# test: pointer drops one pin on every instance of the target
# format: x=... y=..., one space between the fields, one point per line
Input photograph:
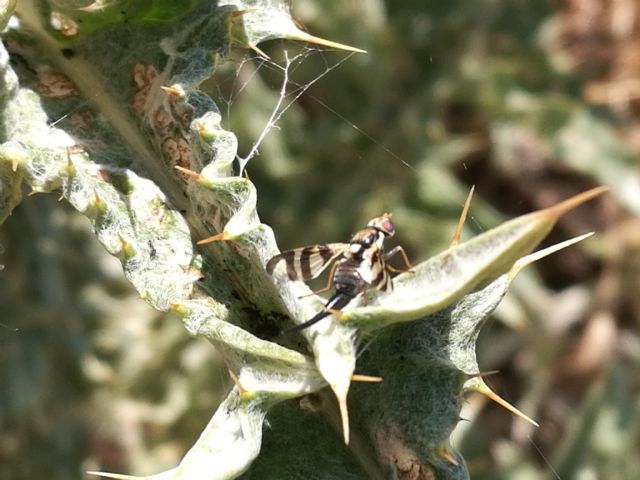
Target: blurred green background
x=530 y=101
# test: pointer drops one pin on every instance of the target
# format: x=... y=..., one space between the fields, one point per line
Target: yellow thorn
x=179 y=309
x=97 y=204
x=173 y=90
x=535 y=256
x=561 y=208
x=446 y=454
x=190 y=173
x=127 y=250
x=236 y=381
x=305 y=37
x=488 y=373
x=240 y=13
x=365 y=378
x=200 y=127
x=69 y=167
x=215 y=238
x=482 y=388
x=258 y=51
x=344 y=414
x=336 y=313
x=455 y=239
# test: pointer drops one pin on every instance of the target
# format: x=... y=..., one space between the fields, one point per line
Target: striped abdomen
x=347 y=279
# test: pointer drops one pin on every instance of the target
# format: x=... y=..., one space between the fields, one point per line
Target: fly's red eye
x=382 y=224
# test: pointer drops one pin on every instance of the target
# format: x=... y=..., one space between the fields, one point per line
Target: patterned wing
x=307 y=262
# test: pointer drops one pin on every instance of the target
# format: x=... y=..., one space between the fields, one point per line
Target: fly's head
x=375 y=233
x=383 y=224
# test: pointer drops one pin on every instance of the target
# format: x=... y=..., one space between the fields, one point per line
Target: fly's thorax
x=371 y=265
x=363 y=260
x=365 y=238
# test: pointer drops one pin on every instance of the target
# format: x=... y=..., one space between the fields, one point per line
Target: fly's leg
x=405 y=259
x=328 y=284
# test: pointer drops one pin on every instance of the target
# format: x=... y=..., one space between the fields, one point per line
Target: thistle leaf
x=105 y=110
x=462 y=268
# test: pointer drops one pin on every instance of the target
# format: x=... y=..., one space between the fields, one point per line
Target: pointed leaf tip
x=174 y=91
x=126 y=249
x=487 y=373
x=218 y=237
x=455 y=239
x=189 y=173
x=569 y=204
x=258 y=51
x=344 y=415
x=478 y=385
x=236 y=381
x=305 y=37
x=341 y=392
x=365 y=378
x=444 y=453
x=535 y=256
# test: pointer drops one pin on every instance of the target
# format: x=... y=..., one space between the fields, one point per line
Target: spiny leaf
x=250 y=24
x=427 y=366
x=462 y=268
x=222 y=291
x=433 y=285
x=138 y=219
x=228 y=444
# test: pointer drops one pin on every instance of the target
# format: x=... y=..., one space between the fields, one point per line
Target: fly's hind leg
x=327 y=286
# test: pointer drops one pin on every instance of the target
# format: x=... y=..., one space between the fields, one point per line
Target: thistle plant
x=143 y=155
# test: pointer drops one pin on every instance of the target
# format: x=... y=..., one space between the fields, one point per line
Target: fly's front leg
x=405 y=259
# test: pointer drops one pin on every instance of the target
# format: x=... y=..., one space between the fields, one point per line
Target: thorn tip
x=214 y=238
x=481 y=387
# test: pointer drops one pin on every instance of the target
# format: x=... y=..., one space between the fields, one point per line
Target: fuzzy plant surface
x=139 y=150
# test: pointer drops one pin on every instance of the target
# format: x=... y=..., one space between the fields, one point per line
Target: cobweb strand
x=280 y=108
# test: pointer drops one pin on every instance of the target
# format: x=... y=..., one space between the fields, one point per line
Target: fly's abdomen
x=347 y=280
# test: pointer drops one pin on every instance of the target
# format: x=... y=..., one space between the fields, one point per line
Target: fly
x=357 y=265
